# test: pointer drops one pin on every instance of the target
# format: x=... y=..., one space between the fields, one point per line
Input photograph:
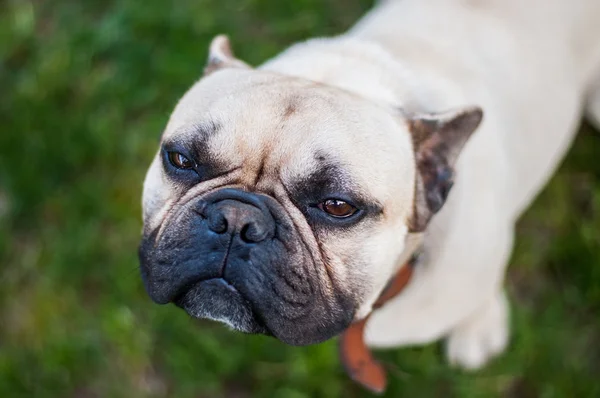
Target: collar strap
x=354 y=353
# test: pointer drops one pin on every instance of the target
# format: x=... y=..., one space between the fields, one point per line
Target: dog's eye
x=337 y=208
x=179 y=161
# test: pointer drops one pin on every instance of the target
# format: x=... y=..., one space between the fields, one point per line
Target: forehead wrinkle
x=318 y=138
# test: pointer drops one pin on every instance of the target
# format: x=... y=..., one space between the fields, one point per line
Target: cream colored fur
x=529 y=64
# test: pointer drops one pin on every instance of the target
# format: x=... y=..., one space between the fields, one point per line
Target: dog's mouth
x=235 y=263
x=217 y=299
x=180 y=297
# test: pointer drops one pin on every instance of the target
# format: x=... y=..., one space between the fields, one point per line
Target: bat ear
x=438 y=139
x=220 y=56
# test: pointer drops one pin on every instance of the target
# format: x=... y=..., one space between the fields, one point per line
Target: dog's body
x=530 y=65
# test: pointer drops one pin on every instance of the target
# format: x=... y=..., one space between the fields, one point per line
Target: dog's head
x=281 y=206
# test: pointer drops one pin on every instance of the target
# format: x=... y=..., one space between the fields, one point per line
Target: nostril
x=245 y=234
x=252 y=233
x=217 y=223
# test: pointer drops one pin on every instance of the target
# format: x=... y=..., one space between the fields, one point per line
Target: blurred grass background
x=85 y=90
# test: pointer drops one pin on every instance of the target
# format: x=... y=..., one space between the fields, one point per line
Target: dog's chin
x=217 y=300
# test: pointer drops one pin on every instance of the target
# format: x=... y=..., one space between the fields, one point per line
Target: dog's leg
x=484 y=333
x=482 y=336
x=455 y=294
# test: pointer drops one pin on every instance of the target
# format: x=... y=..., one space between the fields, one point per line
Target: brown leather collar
x=354 y=354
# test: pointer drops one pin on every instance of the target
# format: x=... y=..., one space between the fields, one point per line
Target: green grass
x=86 y=88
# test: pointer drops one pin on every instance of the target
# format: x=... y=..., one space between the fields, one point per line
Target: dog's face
x=282 y=206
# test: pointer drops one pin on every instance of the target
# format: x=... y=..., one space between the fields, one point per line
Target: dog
x=284 y=198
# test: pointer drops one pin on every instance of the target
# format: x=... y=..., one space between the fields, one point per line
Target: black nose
x=239 y=214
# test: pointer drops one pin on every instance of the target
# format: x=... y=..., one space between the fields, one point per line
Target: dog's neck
x=365 y=68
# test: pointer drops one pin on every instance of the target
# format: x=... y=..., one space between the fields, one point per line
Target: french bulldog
x=283 y=198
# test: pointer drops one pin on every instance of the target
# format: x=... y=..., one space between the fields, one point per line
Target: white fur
x=529 y=65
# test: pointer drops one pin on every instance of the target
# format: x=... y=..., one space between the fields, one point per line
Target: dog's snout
x=241 y=217
x=217 y=222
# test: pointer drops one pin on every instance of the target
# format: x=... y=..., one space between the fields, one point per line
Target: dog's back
x=529 y=63
x=543 y=28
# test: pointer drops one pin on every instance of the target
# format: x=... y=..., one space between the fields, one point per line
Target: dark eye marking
x=180 y=165
x=329 y=197
x=186 y=155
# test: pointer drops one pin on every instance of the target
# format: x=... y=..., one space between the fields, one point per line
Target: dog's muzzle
x=236 y=257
